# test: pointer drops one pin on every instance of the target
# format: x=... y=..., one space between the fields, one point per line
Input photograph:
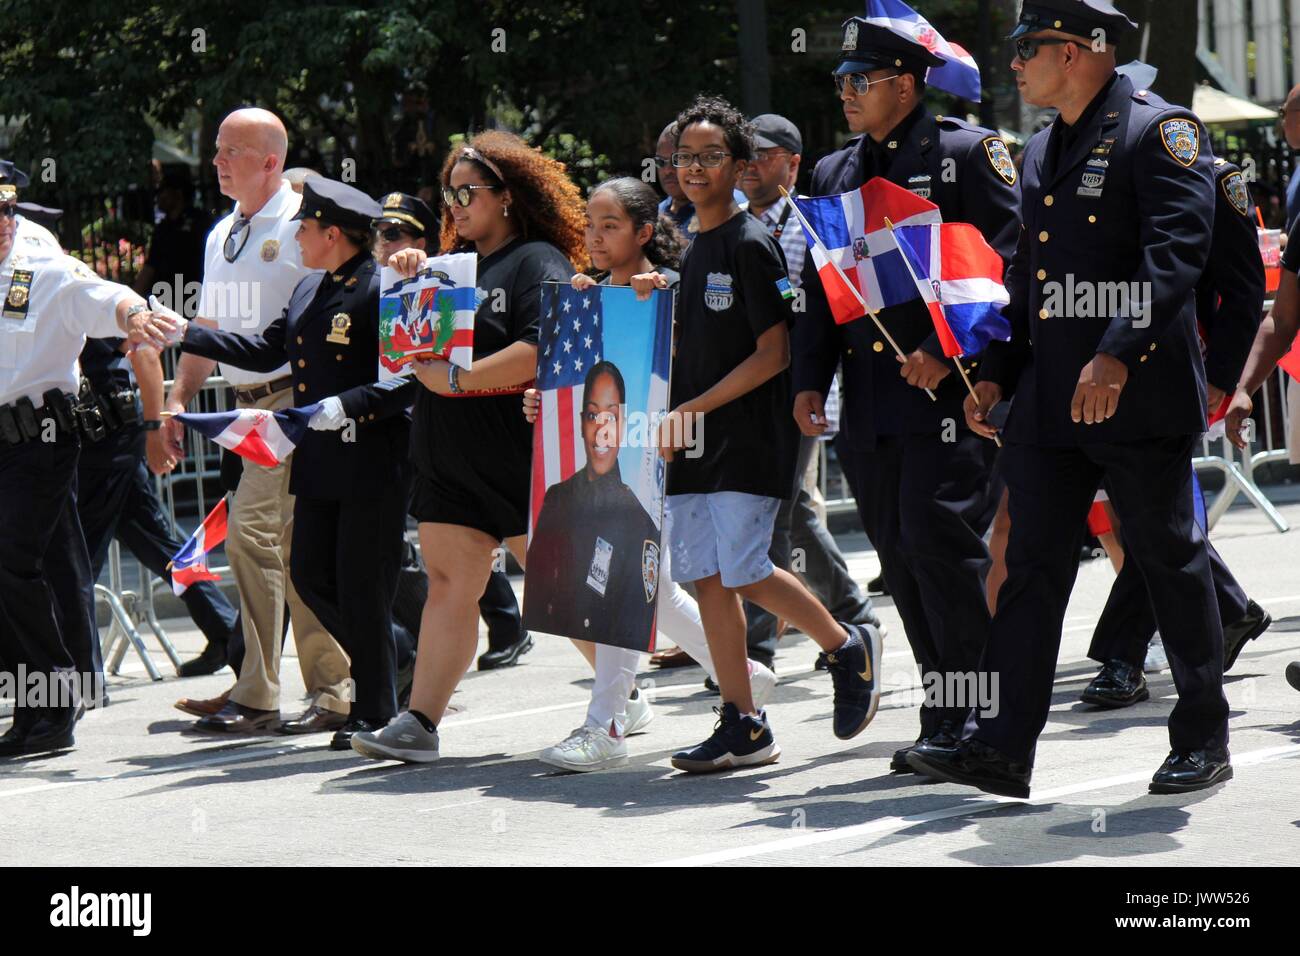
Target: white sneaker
x=1156 y=660
x=585 y=750
x=404 y=738
x=762 y=681
x=639 y=714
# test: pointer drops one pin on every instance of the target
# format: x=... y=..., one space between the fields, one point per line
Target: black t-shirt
x=178 y=247
x=734 y=287
x=1291 y=255
x=456 y=438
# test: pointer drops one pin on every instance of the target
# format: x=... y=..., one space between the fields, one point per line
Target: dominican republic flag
x=960 y=74
x=855 y=256
x=430 y=314
x=571 y=339
x=263 y=437
x=959 y=277
x=190 y=563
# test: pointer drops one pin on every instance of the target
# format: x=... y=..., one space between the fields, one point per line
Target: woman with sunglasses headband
x=471 y=448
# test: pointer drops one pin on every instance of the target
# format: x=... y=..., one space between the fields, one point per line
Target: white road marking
x=890 y=824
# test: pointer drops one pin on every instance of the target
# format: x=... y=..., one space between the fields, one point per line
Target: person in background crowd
x=176 y=248
x=778 y=148
x=471 y=448
x=1289 y=115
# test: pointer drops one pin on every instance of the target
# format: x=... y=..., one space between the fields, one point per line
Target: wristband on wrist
x=151 y=424
x=453 y=379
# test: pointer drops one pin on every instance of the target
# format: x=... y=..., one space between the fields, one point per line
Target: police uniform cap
x=1076 y=17
x=11 y=175
x=42 y=215
x=1141 y=75
x=332 y=203
x=410 y=212
x=868 y=46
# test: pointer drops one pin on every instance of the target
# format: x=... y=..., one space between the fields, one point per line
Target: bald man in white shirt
x=251 y=266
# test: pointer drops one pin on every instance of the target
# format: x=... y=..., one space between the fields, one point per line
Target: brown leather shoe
x=237 y=719
x=674 y=657
x=202 y=708
x=314 y=720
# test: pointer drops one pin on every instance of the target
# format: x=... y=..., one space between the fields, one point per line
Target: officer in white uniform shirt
x=251 y=267
x=49 y=303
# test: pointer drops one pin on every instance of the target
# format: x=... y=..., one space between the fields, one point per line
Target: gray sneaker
x=404 y=738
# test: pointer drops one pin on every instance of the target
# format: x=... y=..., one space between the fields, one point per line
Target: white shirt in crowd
x=247 y=295
x=51 y=303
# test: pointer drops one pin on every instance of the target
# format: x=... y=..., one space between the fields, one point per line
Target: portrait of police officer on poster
x=594 y=551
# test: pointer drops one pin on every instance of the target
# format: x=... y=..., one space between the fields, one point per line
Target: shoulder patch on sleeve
x=1182 y=140
x=1235 y=191
x=1000 y=159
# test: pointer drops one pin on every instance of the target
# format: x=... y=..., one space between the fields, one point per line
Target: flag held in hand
x=190 y=563
x=263 y=437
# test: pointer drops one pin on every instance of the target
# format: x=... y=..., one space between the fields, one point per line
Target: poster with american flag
x=603 y=361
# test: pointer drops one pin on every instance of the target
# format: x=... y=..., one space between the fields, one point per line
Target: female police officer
x=350 y=475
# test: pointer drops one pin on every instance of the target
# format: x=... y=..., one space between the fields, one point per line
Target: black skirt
x=473 y=460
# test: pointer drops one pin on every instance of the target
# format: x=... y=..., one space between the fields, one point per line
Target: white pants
x=678 y=622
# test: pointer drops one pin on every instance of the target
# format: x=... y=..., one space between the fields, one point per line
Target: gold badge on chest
x=270 y=249
x=339 y=327
x=15 y=303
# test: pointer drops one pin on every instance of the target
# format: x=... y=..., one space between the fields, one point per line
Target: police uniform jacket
x=593 y=563
x=967 y=172
x=1230 y=295
x=330 y=335
x=1131 y=202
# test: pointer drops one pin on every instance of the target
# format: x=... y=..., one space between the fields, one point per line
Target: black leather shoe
x=877 y=585
x=1117 y=684
x=314 y=720
x=210 y=661
x=945 y=738
x=1236 y=635
x=1191 y=770
x=237 y=719
x=39 y=731
x=973 y=764
x=491 y=659
x=342 y=739
x=1293 y=674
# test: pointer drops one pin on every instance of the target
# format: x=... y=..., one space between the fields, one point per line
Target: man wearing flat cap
x=351 y=472
x=921 y=479
x=1119 y=191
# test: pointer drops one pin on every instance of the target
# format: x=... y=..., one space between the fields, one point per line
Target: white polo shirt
x=49 y=304
x=247 y=295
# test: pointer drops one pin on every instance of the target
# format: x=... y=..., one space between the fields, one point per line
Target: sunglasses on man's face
x=1027 y=48
x=8 y=210
x=462 y=195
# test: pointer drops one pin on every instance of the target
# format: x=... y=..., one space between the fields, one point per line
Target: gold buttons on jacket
x=848 y=351
x=1152 y=348
x=302 y=363
x=300 y=340
x=877 y=346
x=1092 y=218
x=338 y=358
x=302 y=387
x=1044 y=314
x=1142 y=359
x=1042 y=274
x=1048 y=200
x=1042 y=236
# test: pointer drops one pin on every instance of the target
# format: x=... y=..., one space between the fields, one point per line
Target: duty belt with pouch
x=21 y=421
x=102 y=414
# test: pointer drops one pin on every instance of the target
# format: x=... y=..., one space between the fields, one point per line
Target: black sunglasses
x=9 y=210
x=1027 y=48
x=236 y=239
x=461 y=195
x=393 y=233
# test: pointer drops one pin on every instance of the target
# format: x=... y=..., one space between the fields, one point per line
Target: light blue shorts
x=726 y=532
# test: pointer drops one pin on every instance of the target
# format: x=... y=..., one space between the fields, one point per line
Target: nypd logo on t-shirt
x=717 y=291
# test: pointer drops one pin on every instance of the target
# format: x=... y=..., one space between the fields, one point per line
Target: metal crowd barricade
x=129 y=609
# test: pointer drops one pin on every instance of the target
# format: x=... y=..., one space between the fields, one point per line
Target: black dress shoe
x=1293 y=674
x=342 y=739
x=1183 y=772
x=973 y=764
x=314 y=720
x=492 y=659
x=1235 y=636
x=235 y=718
x=1117 y=684
x=40 y=731
x=210 y=661
x=945 y=738
x=877 y=585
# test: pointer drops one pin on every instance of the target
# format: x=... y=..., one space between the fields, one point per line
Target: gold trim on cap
x=403 y=217
x=8 y=191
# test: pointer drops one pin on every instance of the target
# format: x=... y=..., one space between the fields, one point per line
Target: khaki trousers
x=258 y=537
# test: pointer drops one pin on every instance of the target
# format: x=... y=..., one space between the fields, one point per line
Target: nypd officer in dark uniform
x=1229 y=307
x=350 y=474
x=593 y=558
x=920 y=477
x=1118 y=190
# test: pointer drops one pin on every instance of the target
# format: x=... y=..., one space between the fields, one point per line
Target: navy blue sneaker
x=736 y=742
x=855 y=672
